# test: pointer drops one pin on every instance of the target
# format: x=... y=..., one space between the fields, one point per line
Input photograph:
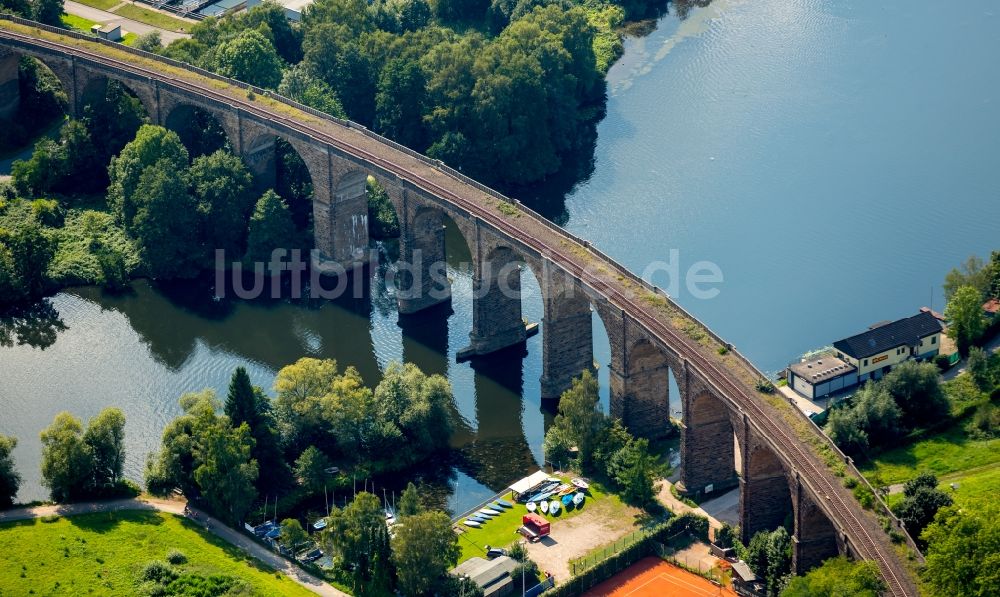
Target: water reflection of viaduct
x=780 y=475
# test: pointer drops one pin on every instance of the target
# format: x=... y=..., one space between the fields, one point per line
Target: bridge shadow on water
x=199 y=338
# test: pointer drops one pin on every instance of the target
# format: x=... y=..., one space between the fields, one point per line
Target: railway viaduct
x=781 y=473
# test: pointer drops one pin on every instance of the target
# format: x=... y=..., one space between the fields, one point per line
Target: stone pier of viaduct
x=781 y=479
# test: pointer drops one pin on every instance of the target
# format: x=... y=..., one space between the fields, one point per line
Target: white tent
x=527 y=483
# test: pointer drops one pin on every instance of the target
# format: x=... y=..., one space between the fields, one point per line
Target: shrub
x=943 y=362
x=47 y=212
x=158 y=572
x=176 y=557
x=764 y=386
x=864 y=496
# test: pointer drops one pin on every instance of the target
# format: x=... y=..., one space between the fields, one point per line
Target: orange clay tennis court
x=652 y=577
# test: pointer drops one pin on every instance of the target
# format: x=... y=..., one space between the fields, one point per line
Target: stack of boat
x=484 y=514
x=562 y=495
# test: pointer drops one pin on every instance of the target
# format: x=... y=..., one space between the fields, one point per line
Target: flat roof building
x=821 y=376
x=876 y=351
x=868 y=355
x=493 y=576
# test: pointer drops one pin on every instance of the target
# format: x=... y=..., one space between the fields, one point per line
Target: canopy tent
x=527 y=483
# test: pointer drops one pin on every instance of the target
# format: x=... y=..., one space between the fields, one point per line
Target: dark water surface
x=834 y=159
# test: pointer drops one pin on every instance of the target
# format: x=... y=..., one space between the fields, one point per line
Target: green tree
x=11 y=289
x=174 y=465
x=310 y=468
x=151 y=145
x=399 y=102
x=270 y=19
x=84 y=168
x=921 y=501
x=878 y=415
x=30 y=253
x=409 y=501
x=48 y=11
x=246 y=403
x=355 y=534
x=423 y=550
x=299 y=84
x=166 y=221
x=846 y=430
x=249 y=57
x=974 y=272
x=292 y=534
x=459 y=10
x=67 y=460
x=838 y=577
x=418 y=405
x=21 y=8
x=241 y=401
x=113 y=119
x=10 y=480
x=382 y=219
x=580 y=419
x=979 y=369
x=964 y=313
x=635 y=470
x=300 y=388
x=149 y=42
x=726 y=536
x=226 y=472
x=962 y=555
x=333 y=52
x=994 y=276
x=270 y=228
x=105 y=436
x=42 y=171
x=769 y=556
x=916 y=388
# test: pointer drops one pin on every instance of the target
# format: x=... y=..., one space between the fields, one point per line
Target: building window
x=933 y=339
x=866 y=363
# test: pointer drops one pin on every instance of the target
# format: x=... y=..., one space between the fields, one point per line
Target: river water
x=832 y=159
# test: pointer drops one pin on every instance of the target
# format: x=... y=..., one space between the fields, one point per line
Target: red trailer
x=534 y=527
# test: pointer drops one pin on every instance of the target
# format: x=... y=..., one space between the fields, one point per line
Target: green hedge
x=688 y=522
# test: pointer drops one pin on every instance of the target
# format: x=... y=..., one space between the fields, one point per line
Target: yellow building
x=875 y=352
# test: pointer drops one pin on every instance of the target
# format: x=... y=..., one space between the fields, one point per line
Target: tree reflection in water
x=36 y=325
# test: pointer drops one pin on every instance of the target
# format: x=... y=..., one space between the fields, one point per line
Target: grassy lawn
x=78 y=23
x=945 y=453
x=501 y=530
x=151 y=17
x=977 y=485
x=101 y=4
x=103 y=554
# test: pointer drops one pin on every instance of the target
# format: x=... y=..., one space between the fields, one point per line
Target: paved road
x=177 y=507
x=101 y=16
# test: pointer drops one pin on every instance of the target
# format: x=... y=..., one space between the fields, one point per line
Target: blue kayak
x=567 y=499
x=505 y=503
x=478 y=518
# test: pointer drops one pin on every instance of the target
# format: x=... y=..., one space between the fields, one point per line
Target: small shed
x=745 y=582
x=109 y=31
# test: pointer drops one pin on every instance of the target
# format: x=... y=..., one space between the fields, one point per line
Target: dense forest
x=503 y=91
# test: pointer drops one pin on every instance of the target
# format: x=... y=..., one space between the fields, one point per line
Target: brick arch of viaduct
x=640 y=364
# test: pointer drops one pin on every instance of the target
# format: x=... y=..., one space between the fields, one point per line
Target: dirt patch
x=600 y=523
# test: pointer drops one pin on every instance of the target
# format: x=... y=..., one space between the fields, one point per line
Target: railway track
x=815 y=475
